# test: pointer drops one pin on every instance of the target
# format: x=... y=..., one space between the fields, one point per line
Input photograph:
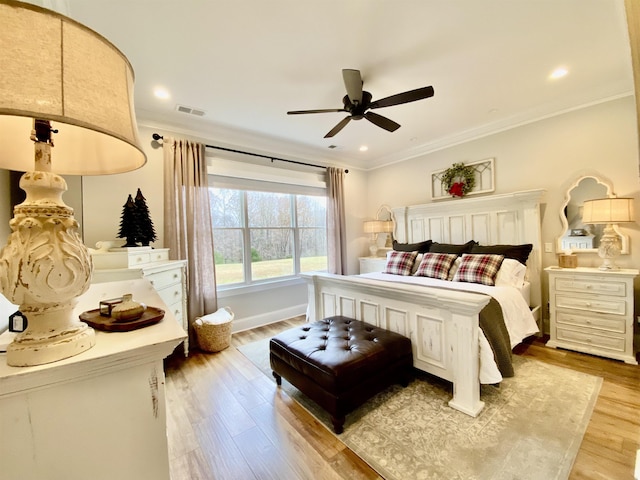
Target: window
x=265 y=231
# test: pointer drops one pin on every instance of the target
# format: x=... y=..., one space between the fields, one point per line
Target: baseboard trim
x=267 y=318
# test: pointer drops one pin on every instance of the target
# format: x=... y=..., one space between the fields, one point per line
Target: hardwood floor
x=227 y=420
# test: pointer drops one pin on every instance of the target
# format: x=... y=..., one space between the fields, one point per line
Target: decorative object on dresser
x=463 y=179
x=591 y=311
x=135 y=223
x=168 y=277
x=608 y=211
x=58 y=71
x=568 y=260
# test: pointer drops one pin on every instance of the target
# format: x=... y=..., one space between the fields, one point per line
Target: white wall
x=105 y=195
x=549 y=154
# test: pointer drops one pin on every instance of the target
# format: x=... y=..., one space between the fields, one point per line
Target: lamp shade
x=56 y=69
x=387 y=226
x=374 y=226
x=608 y=210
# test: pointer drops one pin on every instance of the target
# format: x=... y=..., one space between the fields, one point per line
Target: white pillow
x=511 y=274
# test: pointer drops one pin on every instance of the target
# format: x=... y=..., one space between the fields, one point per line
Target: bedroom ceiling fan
x=358 y=102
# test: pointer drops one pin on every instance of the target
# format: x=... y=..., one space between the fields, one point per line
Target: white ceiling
x=246 y=63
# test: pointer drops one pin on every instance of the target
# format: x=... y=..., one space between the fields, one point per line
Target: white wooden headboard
x=511 y=218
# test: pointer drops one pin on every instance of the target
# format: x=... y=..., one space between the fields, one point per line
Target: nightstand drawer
x=160 y=280
x=596 y=322
x=590 y=304
x=591 y=340
x=577 y=285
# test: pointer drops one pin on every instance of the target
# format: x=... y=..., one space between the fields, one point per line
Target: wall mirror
x=384 y=214
x=576 y=236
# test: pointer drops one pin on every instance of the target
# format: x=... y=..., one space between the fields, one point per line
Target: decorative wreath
x=459 y=179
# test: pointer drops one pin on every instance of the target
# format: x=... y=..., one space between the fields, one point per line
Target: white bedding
x=518 y=318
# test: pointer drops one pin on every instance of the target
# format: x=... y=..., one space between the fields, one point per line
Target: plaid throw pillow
x=478 y=268
x=436 y=265
x=400 y=263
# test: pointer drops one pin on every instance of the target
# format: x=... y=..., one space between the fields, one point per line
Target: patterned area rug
x=531 y=427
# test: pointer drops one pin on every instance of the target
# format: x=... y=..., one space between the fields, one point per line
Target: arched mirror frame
x=385 y=213
x=624 y=239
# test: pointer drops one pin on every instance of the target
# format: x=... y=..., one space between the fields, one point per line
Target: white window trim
x=220 y=167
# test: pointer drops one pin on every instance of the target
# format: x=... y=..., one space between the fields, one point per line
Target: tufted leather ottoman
x=340 y=362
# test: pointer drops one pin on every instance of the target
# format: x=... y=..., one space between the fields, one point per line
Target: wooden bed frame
x=442 y=324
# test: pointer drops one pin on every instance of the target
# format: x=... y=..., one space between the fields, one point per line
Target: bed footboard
x=442 y=325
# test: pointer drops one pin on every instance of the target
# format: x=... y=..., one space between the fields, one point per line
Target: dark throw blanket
x=492 y=324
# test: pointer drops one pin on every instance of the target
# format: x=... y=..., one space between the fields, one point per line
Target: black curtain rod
x=157 y=137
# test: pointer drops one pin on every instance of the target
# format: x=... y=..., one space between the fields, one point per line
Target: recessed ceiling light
x=364 y=148
x=161 y=93
x=559 y=73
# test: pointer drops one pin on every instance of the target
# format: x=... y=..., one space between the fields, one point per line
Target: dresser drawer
x=163 y=279
x=590 y=339
x=176 y=310
x=579 y=285
x=596 y=322
x=159 y=255
x=592 y=304
x=171 y=294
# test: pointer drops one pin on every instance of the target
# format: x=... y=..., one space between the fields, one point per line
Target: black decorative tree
x=129 y=228
x=146 y=233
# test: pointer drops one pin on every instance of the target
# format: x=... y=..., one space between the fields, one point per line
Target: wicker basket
x=213 y=331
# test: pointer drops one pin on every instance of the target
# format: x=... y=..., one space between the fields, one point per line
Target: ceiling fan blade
x=382 y=122
x=338 y=127
x=353 y=84
x=405 y=97
x=300 y=112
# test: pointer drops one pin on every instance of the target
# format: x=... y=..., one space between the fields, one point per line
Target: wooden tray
x=109 y=324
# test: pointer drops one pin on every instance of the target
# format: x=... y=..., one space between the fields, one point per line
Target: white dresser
x=99 y=415
x=168 y=277
x=591 y=311
x=372 y=264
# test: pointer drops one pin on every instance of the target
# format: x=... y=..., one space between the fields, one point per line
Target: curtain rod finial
x=156 y=137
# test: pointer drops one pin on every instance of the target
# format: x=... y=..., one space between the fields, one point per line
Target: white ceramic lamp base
x=44 y=268
x=609 y=249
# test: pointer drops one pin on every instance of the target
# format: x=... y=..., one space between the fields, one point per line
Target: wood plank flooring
x=227 y=420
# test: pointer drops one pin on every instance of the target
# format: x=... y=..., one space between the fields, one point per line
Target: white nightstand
x=591 y=311
x=372 y=264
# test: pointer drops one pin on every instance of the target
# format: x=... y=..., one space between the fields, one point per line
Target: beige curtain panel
x=336 y=230
x=187 y=222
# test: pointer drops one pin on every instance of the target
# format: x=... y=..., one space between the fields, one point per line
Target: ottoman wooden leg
x=338 y=423
x=277 y=377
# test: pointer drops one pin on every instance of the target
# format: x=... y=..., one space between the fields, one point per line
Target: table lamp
x=64 y=85
x=374 y=227
x=608 y=211
x=388 y=229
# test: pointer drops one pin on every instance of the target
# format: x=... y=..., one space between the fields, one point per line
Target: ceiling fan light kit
x=357 y=102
